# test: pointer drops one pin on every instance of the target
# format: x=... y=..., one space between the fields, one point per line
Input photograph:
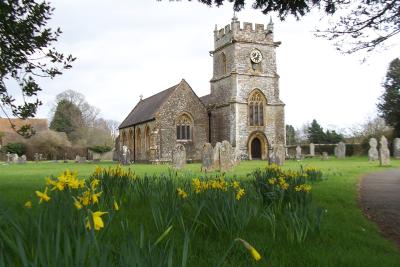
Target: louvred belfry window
x=184 y=128
x=256 y=109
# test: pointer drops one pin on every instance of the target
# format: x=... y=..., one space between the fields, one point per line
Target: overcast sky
x=129 y=48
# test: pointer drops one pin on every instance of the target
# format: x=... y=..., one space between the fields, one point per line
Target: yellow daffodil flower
x=235 y=184
x=97 y=220
x=77 y=204
x=43 y=196
x=182 y=193
x=95 y=197
x=28 y=204
x=253 y=252
x=116 y=207
x=240 y=193
x=94 y=183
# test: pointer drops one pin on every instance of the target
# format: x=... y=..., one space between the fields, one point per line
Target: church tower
x=244 y=103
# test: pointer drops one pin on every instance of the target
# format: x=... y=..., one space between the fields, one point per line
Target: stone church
x=243 y=107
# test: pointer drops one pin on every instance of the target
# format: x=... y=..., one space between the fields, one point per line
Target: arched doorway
x=256 y=148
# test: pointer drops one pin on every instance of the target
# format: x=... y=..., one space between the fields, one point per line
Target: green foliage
x=26 y=52
x=100 y=149
x=290 y=135
x=389 y=105
x=15 y=148
x=317 y=135
x=67 y=119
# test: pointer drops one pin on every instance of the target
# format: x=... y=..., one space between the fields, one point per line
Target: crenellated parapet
x=243 y=32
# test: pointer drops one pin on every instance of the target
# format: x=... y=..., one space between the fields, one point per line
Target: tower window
x=256 y=109
x=184 y=128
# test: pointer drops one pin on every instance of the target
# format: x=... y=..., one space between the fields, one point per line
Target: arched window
x=123 y=138
x=138 y=142
x=147 y=138
x=130 y=139
x=256 y=109
x=184 y=128
x=223 y=64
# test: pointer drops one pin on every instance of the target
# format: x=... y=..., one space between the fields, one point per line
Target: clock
x=256 y=56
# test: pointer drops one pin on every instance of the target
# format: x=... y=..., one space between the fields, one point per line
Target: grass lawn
x=347 y=238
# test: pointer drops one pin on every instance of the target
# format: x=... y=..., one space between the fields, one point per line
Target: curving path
x=380 y=199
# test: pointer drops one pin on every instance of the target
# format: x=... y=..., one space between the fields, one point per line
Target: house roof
x=38 y=124
x=147 y=108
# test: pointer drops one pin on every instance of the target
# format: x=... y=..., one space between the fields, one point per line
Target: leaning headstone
x=215 y=158
x=226 y=156
x=341 y=150
x=396 y=148
x=312 y=149
x=36 y=157
x=207 y=157
x=298 y=152
x=179 y=156
x=325 y=156
x=278 y=155
x=373 y=151
x=384 y=153
x=22 y=159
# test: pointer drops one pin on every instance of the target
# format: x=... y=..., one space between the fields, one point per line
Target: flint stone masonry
x=179 y=157
x=312 y=149
x=207 y=157
x=373 y=153
x=384 y=153
x=341 y=150
x=396 y=148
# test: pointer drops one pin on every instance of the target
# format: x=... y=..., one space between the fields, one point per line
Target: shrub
x=100 y=149
x=15 y=148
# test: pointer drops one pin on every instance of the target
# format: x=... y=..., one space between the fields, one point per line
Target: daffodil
x=253 y=252
x=43 y=196
x=116 y=207
x=240 y=193
x=94 y=183
x=182 y=193
x=77 y=204
x=235 y=184
x=95 y=197
x=28 y=204
x=97 y=220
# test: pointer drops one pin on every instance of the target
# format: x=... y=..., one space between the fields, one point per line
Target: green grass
x=347 y=237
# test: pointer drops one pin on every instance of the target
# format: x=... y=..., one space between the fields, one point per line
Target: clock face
x=256 y=56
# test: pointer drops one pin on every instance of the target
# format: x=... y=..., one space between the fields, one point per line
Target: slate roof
x=146 y=109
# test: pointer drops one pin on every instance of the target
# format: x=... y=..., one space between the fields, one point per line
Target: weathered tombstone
x=373 y=151
x=36 y=157
x=77 y=159
x=226 y=156
x=335 y=151
x=9 y=157
x=312 y=149
x=179 y=156
x=207 y=157
x=384 y=153
x=325 y=156
x=22 y=159
x=124 y=158
x=215 y=158
x=396 y=148
x=298 y=152
x=15 y=158
x=341 y=150
x=40 y=157
x=65 y=158
x=278 y=154
x=82 y=159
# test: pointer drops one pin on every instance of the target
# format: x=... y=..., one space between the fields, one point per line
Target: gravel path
x=380 y=199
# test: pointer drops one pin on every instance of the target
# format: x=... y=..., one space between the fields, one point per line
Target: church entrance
x=256 y=148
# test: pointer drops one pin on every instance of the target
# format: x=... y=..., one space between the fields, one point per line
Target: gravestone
x=384 y=153
x=215 y=158
x=77 y=159
x=341 y=150
x=36 y=157
x=312 y=149
x=179 y=156
x=373 y=153
x=396 y=148
x=40 y=157
x=278 y=155
x=9 y=157
x=325 y=156
x=298 y=152
x=335 y=151
x=124 y=158
x=22 y=159
x=15 y=158
x=207 y=157
x=226 y=156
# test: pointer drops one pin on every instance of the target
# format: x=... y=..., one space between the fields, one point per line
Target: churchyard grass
x=345 y=238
